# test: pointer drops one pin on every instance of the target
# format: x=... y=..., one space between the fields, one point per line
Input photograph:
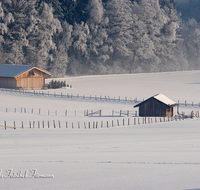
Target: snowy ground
x=146 y=156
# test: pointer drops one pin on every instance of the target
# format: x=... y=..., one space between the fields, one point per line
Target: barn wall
x=7 y=82
x=169 y=112
x=153 y=108
x=29 y=81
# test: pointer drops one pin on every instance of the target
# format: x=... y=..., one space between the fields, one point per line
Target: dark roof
x=13 y=70
x=161 y=98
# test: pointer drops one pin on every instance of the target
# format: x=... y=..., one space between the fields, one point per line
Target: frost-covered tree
x=59 y=65
x=97 y=23
x=41 y=29
x=191 y=43
x=157 y=36
x=119 y=30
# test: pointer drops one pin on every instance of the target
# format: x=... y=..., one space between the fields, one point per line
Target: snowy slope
x=146 y=156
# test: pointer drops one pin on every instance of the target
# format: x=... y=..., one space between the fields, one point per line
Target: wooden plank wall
x=7 y=82
x=28 y=81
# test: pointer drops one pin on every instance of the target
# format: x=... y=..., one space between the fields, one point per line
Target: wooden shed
x=156 y=106
x=22 y=76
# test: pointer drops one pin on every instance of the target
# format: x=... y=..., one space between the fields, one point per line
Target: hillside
x=153 y=156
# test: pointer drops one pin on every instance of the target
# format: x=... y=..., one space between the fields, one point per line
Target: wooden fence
x=117 y=99
x=100 y=124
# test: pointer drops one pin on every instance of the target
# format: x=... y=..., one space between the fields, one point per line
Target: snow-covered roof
x=164 y=99
x=13 y=70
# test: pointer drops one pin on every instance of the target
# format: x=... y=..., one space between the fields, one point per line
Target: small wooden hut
x=22 y=76
x=156 y=106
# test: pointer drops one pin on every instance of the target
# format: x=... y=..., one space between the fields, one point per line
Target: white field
x=152 y=156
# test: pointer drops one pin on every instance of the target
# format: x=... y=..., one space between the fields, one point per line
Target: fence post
x=5 y=124
x=123 y=122
x=100 y=112
x=107 y=124
x=43 y=123
x=72 y=125
x=128 y=121
x=33 y=124
x=112 y=123
x=134 y=121
x=54 y=124
x=78 y=125
x=138 y=121
x=84 y=125
x=101 y=124
x=65 y=112
x=38 y=124
x=66 y=124
x=22 y=125
x=192 y=114
x=48 y=124
x=59 y=124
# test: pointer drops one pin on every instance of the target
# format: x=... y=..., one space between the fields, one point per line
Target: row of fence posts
x=106 y=98
x=136 y=120
x=86 y=112
x=24 y=110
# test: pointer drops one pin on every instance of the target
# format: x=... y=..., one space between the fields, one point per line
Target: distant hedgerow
x=56 y=84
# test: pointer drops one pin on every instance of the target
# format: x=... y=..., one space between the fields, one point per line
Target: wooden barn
x=22 y=77
x=156 y=106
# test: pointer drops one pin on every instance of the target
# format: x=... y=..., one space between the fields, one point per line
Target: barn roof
x=162 y=98
x=15 y=70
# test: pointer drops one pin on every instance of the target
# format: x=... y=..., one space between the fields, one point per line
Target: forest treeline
x=81 y=37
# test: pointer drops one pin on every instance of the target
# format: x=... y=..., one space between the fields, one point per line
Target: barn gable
x=158 y=105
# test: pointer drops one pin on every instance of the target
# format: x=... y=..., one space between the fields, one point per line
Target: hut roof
x=15 y=70
x=162 y=98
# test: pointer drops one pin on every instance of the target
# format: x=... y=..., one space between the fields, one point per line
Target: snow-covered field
x=152 y=156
